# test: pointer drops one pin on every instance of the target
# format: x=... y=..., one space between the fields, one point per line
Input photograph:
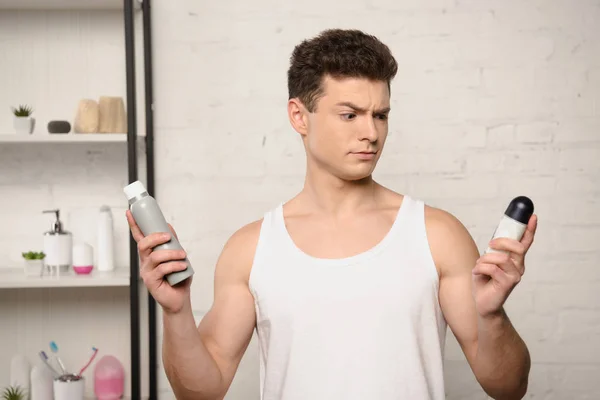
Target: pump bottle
x=150 y=219
x=514 y=221
x=58 y=246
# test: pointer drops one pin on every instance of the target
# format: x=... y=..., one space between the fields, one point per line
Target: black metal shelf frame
x=132 y=170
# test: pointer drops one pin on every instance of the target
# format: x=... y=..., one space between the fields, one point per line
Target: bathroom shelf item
x=15 y=278
x=65 y=4
x=128 y=278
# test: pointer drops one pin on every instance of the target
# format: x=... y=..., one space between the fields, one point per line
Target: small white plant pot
x=24 y=125
x=34 y=267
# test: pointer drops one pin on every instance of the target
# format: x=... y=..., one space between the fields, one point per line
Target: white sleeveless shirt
x=365 y=327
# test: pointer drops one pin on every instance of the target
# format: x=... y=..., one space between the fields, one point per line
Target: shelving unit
x=126 y=276
x=65 y=4
x=15 y=278
x=65 y=138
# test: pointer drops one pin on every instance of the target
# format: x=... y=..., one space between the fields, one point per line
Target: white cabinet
x=54 y=53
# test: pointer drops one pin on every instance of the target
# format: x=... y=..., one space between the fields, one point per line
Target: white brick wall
x=493 y=100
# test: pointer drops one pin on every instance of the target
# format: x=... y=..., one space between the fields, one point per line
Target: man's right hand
x=154 y=265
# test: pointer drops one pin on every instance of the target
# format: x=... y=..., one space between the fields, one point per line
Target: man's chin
x=357 y=174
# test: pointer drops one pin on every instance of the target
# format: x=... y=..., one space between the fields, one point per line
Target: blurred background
x=493 y=99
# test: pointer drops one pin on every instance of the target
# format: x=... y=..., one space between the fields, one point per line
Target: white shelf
x=65 y=138
x=13 y=278
x=64 y=4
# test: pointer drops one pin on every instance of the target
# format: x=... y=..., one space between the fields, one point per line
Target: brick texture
x=492 y=100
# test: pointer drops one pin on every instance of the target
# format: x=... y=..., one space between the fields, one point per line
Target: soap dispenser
x=58 y=246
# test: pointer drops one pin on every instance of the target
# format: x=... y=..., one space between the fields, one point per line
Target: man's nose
x=369 y=130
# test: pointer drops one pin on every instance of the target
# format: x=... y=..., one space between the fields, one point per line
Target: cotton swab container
x=83 y=258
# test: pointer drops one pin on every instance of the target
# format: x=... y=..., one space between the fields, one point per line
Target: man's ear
x=298 y=115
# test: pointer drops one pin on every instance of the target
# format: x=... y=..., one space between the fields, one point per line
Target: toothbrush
x=95 y=350
x=54 y=349
x=44 y=358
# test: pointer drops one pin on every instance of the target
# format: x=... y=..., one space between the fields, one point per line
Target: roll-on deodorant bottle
x=150 y=219
x=514 y=221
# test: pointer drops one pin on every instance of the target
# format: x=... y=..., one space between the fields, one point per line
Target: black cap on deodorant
x=520 y=209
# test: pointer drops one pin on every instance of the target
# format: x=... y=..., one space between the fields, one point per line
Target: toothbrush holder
x=69 y=387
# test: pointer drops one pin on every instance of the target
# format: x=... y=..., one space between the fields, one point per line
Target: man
x=349 y=285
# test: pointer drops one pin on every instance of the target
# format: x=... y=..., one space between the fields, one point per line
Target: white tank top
x=363 y=327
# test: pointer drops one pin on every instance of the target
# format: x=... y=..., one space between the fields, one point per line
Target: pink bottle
x=109 y=379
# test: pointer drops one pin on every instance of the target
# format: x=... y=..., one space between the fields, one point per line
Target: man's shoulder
x=441 y=221
x=236 y=258
x=245 y=238
x=438 y=221
x=451 y=244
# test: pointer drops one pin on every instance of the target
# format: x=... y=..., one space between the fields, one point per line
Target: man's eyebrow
x=360 y=109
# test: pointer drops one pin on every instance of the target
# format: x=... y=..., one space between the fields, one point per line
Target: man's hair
x=340 y=54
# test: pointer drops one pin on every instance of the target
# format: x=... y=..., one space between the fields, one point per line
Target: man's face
x=346 y=133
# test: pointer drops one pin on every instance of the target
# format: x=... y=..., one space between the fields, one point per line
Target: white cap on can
x=134 y=189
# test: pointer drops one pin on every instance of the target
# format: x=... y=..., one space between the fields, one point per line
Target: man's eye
x=382 y=117
x=348 y=116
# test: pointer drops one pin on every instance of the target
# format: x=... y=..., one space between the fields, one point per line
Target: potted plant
x=13 y=393
x=23 y=122
x=34 y=262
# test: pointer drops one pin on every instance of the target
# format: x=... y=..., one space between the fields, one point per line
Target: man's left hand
x=496 y=274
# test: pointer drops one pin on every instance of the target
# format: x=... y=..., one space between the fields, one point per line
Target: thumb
x=528 y=237
x=173 y=231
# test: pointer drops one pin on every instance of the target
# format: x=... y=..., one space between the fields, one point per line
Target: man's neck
x=327 y=194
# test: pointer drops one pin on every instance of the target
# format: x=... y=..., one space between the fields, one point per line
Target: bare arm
x=496 y=353
x=201 y=362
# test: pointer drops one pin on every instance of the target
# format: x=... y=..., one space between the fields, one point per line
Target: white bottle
x=514 y=221
x=105 y=252
x=41 y=383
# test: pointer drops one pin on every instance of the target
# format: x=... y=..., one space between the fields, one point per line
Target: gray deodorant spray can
x=150 y=219
x=514 y=221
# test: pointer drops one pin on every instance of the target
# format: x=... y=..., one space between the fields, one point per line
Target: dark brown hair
x=340 y=54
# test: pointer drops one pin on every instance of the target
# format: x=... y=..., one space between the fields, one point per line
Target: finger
x=173 y=231
x=136 y=232
x=163 y=256
x=510 y=245
x=149 y=242
x=166 y=268
x=516 y=249
x=504 y=262
x=490 y=270
x=529 y=234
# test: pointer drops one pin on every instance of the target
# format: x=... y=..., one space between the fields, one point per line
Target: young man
x=349 y=285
